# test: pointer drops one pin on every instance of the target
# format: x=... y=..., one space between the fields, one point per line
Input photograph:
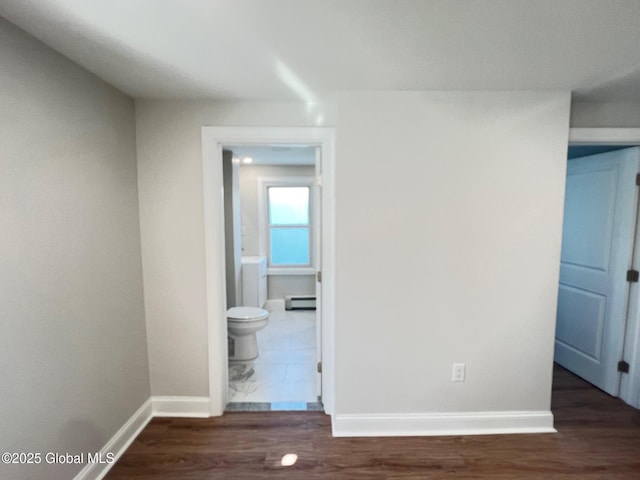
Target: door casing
x=213 y=140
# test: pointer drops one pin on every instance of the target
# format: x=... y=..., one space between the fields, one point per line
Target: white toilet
x=242 y=325
x=243 y=322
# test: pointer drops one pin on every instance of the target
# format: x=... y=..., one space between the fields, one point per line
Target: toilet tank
x=254 y=281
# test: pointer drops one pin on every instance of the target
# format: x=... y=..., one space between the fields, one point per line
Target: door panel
x=597 y=244
x=590 y=202
x=583 y=315
x=317 y=212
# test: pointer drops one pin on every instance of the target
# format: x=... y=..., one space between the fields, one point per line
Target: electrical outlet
x=459 y=370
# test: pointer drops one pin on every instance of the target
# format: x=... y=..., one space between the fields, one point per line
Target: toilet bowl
x=242 y=325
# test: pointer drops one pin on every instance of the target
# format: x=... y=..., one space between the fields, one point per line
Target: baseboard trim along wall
x=465 y=423
x=118 y=444
x=356 y=425
x=181 y=406
x=154 y=407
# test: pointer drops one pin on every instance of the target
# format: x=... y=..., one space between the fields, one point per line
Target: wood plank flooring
x=598 y=438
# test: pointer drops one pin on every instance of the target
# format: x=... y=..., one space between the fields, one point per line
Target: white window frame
x=263 y=226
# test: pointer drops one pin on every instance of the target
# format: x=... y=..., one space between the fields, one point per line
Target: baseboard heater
x=299 y=302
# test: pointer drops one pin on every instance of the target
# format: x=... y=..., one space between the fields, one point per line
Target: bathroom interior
x=270 y=241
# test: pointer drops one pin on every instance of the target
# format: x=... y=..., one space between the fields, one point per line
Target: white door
x=598 y=235
x=317 y=224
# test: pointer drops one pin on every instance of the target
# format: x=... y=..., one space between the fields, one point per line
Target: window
x=289 y=228
x=286 y=227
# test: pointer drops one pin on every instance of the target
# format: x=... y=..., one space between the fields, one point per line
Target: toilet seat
x=247 y=313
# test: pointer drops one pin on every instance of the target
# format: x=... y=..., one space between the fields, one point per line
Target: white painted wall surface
x=73 y=352
x=169 y=143
x=449 y=251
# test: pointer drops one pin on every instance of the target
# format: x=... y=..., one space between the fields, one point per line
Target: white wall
x=169 y=143
x=448 y=252
x=73 y=352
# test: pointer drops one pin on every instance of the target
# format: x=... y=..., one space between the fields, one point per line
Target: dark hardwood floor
x=598 y=438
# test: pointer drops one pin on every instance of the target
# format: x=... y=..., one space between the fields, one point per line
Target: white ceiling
x=305 y=49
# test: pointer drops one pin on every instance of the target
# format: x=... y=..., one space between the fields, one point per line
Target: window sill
x=291 y=271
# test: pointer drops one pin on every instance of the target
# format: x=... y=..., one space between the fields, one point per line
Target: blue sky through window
x=289 y=246
x=289 y=226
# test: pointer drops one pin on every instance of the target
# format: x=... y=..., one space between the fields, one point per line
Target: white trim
x=215 y=273
x=317 y=260
x=213 y=138
x=629 y=383
x=118 y=443
x=190 y=407
x=291 y=271
x=464 y=423
x=610 y=136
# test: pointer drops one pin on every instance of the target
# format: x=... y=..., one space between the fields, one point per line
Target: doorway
x=272 y=212
x=215 y=139
x=598 y=314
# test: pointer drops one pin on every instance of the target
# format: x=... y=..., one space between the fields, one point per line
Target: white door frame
x=629 y=383
x=213 y=139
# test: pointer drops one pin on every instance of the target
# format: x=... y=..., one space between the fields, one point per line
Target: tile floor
x=285 y=370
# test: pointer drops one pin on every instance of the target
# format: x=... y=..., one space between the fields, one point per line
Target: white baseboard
x=465 y=423
x=275 y=305
x=181 y=406
x=153 y=407
x=118 y=443
x=343 y=425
